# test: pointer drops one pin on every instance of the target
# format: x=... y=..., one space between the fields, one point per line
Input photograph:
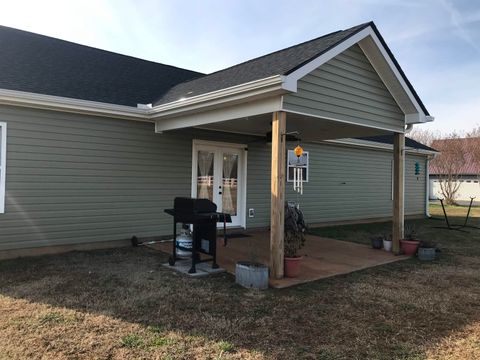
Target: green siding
x=81 y=179
x=345 y=183
x=347 y=88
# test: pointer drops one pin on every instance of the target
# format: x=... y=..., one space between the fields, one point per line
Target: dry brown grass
x=121 y=304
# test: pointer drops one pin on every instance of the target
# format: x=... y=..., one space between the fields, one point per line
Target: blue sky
x=437 y=42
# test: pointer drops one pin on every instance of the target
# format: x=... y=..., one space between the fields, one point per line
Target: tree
x=449 y=165
x=424 y=136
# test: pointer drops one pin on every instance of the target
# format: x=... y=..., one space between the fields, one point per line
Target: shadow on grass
x=396 y=311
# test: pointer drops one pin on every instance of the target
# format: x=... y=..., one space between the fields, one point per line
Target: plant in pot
x=295 y=229
x=387 y=242
x=427 y=251
x=377 y=242
x=410 y=243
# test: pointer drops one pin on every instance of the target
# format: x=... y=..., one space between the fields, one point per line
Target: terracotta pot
x=409 y=247
x=292 y=266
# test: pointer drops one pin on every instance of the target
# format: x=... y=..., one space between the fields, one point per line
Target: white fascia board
x=59 y=103
x=417 y=118
x=235 y=111
x=258 y=88
x=290 y=81
x=376 y=145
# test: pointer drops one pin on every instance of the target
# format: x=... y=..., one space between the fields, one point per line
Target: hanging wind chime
x=298 y=171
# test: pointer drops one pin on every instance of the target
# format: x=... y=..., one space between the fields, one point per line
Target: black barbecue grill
x=203 y=215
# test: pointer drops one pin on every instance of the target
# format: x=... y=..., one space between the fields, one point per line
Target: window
x=293 y=161
x=3 y=164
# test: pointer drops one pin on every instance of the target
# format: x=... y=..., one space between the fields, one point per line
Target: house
x=96 y=144
x=464 y=152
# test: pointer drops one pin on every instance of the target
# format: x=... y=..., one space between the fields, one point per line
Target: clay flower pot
x=409 y=247
x=292 y=266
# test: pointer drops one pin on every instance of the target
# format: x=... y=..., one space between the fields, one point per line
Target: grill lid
x=187 y=205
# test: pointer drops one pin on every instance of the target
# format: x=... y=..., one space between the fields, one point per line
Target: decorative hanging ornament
x=298 y=171
x=298 y=151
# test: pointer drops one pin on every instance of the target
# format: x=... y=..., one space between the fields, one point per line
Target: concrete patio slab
x=322 y=257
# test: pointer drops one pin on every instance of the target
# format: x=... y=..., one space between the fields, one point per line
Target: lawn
x=121 y=304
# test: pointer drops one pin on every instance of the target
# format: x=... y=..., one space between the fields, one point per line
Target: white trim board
x=3 y=165
x=237 y=111
x=60 y=103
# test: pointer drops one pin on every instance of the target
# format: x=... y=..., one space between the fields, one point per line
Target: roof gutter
x=242 y=93
x=59 y=103
x=271 y=86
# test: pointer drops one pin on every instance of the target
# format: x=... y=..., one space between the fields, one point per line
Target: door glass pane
x=205 y=175
x=229 y=183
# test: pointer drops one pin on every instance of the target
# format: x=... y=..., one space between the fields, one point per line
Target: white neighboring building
x=469 y=173
x=469 y=187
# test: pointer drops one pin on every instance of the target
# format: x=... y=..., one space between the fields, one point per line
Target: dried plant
x=295 y=229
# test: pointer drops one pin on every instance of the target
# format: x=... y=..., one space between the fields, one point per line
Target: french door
x=218 y=174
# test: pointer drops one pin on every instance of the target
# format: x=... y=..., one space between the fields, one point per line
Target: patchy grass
x=132 y=341
x=121 y=304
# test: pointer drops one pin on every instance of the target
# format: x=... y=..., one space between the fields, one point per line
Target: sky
x=437 y=42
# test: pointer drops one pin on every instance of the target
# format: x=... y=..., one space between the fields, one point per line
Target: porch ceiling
x=310 y=128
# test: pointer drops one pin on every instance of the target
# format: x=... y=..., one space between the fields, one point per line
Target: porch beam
x=398 y=191
x=277 y=207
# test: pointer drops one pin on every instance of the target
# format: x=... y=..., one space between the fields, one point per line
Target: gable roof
x=281 y=62
x=40 y=64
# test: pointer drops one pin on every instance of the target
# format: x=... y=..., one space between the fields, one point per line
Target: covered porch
x=350 y=90
x=322 y=257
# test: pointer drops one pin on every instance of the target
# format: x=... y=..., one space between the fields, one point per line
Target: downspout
x=427 y=187
x=408 y=128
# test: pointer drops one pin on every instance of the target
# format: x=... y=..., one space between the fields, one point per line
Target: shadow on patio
x=322 y=257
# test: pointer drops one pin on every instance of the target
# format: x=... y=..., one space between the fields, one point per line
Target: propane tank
x=184 y=242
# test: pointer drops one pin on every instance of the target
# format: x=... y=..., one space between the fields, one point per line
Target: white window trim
x=307 y=167
x=3 y=165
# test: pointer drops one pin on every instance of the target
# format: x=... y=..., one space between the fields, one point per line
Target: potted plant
x=295 y=229
x=410 y=243
x=387 y=242
x=426 y=251
x=377 y=242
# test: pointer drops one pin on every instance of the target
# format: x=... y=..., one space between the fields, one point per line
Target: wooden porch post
x=277 y=208
x=398 y=190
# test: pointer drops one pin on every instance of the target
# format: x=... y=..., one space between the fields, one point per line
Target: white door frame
x=242 y=178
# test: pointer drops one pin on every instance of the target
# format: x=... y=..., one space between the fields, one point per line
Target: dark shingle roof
x=41 y=64
x=281 y=62
x=388 y=139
